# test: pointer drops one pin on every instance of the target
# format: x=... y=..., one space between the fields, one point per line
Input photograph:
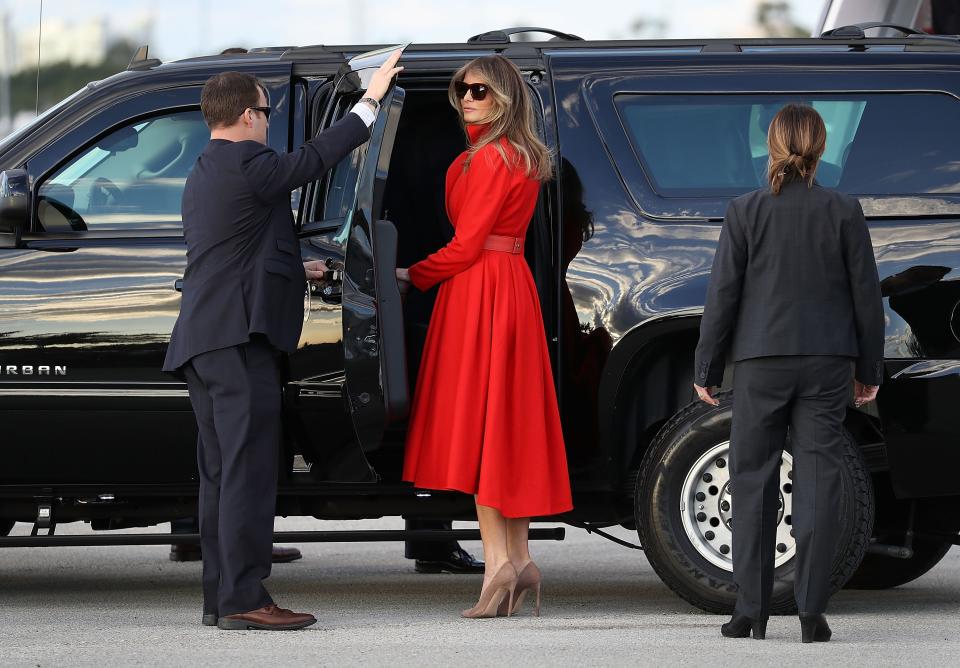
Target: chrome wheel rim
x=706 y=508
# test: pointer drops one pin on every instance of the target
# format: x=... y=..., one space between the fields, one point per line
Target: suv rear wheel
x=683 y=511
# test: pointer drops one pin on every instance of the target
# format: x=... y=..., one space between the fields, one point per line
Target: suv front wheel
x=683 y=510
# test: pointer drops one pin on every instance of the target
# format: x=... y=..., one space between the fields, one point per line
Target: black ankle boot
x=813 y=628
x=741 y=625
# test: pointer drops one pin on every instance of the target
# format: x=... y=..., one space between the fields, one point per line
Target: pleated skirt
x=485 y=418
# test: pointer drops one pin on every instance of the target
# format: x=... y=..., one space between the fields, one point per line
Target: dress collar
x=476 y=130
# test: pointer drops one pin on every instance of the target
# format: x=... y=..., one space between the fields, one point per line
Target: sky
x=184 y=28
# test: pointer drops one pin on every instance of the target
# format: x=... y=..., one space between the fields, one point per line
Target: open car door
x=373 y=338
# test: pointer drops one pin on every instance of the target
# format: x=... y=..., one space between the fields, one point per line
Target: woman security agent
x=485 y=418
x=794 y=296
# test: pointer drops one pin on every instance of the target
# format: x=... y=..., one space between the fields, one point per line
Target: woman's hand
x=706 y=394
x=380 y=81
x=403 y=280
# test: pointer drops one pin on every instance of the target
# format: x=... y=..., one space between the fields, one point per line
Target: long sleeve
x=723 y=302
x=487 y=188
x=272 y=176
x=867 y=300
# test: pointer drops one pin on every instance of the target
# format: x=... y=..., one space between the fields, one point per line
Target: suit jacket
x=794 y=274
x=244 y=273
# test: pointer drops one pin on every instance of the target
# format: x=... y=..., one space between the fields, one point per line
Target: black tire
x=666 y=463
x=880 y=572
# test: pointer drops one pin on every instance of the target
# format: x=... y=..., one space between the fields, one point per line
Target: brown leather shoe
x=282 y=555
x=268 y=618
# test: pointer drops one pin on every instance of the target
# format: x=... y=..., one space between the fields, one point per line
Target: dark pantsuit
x=807 y=395
x=235 y=393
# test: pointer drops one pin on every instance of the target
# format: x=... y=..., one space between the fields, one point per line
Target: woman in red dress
x=485 y=418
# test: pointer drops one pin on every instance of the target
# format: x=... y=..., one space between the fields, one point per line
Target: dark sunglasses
x=264 y=110
x=477 y=90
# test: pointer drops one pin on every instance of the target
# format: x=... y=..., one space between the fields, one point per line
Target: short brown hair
x=796 y=140
x=227 y=95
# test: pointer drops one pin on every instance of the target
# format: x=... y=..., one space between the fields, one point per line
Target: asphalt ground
x=603 y=606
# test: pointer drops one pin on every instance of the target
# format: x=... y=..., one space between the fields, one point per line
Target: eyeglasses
x=264 y=110
x=477 y=90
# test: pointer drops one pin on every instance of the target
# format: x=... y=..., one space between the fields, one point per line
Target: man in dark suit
x=794 y=298
x=242 y=308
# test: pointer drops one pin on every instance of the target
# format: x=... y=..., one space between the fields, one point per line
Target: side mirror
x=14 y=201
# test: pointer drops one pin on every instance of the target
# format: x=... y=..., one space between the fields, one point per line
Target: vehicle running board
x=904 y=551
x=371 y=536
x=892 y=551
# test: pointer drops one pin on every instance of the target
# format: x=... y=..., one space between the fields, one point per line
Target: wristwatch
x=376 y=105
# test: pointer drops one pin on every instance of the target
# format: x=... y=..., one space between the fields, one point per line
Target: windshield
x=13 y=138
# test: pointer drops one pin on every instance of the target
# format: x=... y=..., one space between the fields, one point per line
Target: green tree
x=775 y=19
x=58 y=80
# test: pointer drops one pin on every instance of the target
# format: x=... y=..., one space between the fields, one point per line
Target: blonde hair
x=511 y=115
x=796 y=139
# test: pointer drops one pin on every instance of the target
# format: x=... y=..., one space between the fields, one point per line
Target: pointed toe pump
x=500 y=590
x=528 y=581
x=740 y=626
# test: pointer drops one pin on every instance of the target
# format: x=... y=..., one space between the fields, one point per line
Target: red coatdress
x=485 y=418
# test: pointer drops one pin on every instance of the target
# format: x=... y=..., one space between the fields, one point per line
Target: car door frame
x=366 y=362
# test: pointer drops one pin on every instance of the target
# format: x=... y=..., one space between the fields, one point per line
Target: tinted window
x=342 y=180
x=338 y=188
x=877 y=144
x=132 y=178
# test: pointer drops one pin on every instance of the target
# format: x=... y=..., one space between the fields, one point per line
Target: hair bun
x=796 y=138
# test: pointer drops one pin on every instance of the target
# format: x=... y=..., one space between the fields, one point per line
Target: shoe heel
x=510 y=598
x=536 y=609
x=814 y=628
x=232 y=625
x=759 y=629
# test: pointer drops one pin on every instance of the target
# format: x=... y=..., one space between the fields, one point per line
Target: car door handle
x=178 y=285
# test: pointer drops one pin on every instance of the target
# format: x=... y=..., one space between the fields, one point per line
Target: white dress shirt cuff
x=365 y=112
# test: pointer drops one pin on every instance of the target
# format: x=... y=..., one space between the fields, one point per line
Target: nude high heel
x=527 y=580
x=500 y=589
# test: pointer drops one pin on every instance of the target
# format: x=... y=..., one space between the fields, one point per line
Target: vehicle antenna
x=39 y=37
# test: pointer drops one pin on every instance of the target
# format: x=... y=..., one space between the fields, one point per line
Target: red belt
x=497 y=242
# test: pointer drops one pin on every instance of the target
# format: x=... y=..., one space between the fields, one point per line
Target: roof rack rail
x=141 y=60
x=270 y=49
x=857 y=31
x=503 y=36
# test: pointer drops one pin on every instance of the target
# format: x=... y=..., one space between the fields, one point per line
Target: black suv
x=652 y=139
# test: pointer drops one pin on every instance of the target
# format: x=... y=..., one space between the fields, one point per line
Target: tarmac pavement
x=602 y=606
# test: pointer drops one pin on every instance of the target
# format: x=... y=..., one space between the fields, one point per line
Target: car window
x=132 y=178
x=715 y=145
x=338 y=189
